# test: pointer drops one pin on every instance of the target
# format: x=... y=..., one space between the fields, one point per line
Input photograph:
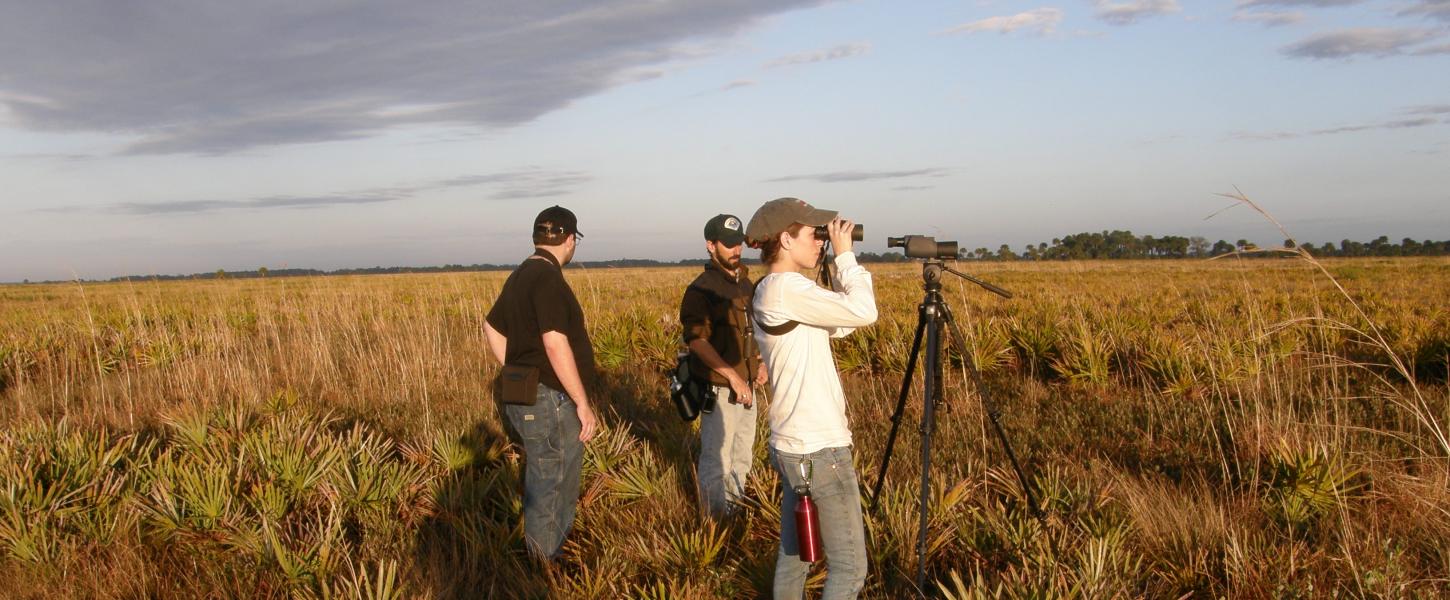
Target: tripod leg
x=990 y=406
x=900 y=406
x=931 y=395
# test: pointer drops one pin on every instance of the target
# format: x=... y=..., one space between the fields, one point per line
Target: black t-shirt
x=536 y=300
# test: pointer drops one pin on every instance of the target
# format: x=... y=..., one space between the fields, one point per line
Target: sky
x=185 y=136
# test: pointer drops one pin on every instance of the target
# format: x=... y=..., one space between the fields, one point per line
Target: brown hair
x=548 y=233
x=770 y=248
x=544 y=239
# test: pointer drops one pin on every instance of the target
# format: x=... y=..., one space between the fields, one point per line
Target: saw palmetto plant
x=1226 y=428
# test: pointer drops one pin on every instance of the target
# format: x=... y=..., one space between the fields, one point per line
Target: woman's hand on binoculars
x=840 y=232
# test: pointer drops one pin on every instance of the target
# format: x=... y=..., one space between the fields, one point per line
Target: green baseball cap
x=725 y=229
x=779 y=214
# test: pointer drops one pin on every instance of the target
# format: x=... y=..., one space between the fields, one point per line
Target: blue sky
x=187 y=136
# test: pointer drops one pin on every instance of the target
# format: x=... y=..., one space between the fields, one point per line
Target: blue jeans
x=837 y=497
x=553 y=459
x=727 y=450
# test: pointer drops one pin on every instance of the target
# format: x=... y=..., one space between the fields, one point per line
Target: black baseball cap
x=726 y=229
x=556 y=220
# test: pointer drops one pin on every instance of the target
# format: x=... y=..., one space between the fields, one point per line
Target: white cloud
x=737 y=84
x=1368 y=41
x=859 y=175
x=836 y=53
x=1041 y=21
x=1408 y=123
x=1269 y=18
x=1313 y=3
x=525 y=183
x=1128 y=13
x=1431 y=50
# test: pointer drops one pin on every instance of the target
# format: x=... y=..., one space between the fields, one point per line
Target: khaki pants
x=727 y=446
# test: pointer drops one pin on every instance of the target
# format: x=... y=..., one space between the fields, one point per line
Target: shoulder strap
x=780 y=329
x=547 y=256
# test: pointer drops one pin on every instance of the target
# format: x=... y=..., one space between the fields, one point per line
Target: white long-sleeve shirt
x=807 y=405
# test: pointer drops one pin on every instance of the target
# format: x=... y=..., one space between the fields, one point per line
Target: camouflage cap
x=779 y=214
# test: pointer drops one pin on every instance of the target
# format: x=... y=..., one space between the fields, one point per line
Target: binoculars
x=857 y=233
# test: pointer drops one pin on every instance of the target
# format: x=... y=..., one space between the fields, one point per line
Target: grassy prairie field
x=1233 y=428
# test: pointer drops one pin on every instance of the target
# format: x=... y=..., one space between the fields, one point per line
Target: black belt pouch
x=518 y=384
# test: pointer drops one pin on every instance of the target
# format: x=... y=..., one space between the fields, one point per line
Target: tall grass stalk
x=1416 y=403
x=1225 y=435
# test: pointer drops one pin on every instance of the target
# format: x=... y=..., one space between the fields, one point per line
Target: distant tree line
x=1114 y=244
x=450 y=268
x=1124 y=245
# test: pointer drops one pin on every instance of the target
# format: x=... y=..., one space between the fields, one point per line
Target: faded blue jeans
x=727 y=450
x=553 y=459
x=837 y=496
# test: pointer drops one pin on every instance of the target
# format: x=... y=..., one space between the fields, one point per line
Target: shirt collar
x=549 y=256
x=714 y=267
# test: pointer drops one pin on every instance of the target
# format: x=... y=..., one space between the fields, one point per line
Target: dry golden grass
x=1229 y=428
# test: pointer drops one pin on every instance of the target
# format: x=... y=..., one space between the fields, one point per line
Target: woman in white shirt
x=810 y=438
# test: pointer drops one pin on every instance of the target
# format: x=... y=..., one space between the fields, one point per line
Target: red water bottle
x=807 y=525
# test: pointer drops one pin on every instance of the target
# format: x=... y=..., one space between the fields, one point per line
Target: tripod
x=933 y=313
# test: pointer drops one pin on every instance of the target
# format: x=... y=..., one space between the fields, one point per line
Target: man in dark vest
x=537 y=323
x=715 y=315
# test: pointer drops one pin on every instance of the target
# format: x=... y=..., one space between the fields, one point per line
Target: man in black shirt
x=537 y=322
x=715 y=317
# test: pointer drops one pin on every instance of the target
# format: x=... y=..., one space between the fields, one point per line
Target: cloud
x=912 y=188
x=228 y=136
x=1434 y=9
x=200 y=206
x=218 y=77
x=1041 y=21
x=1398 y=124
x=1269 y=18
x=836 y=53
x=733 y=85
x=60 y=157
x=1429 y=109
x=1313 y=3
x=531 y=182
x=1347 y=43
x=844 y=176
x=737 y=84
x=1130 y=12
x=1431 y=50
x=1383 y=125
x=541 y=186
x=1162 y=139
x=533 y=178
x=1264 y=136
x=520 y=194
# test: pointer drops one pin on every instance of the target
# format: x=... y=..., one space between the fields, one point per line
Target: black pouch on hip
x=518 y=384
x=679 y=379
